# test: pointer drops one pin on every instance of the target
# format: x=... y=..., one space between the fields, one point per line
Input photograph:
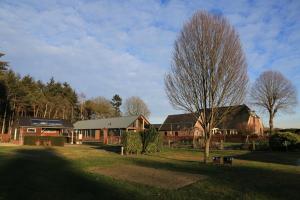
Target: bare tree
x=81 y=99
x=273 y=92
x=208 y=71
x=136 y=106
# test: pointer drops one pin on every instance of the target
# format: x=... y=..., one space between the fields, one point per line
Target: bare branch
x=208 y=71
x=273 y=92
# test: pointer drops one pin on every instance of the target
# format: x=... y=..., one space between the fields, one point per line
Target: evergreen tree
x=116 y=103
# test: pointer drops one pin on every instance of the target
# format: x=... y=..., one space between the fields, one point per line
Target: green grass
x=62 y=173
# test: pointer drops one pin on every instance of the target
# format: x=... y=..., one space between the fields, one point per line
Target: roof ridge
x=134 y=116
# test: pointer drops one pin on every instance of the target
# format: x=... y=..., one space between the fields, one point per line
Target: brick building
x=240 y=120
x=40 y=127
x=103 y=129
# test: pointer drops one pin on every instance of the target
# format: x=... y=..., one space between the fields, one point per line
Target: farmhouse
x=103 y=129
x=40 y=127
x=240 y=119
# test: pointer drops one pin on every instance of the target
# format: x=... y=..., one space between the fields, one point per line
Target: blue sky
x=106 y=47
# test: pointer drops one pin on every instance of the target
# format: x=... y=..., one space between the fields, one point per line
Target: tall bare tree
x=136 y=106
x=81 y=99
x=208 y=71
x=273 y=92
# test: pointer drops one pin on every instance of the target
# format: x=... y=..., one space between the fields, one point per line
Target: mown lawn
x=63 y=173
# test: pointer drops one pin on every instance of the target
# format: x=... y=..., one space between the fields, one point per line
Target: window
x=31 y=130
x=176 y=133
x=166 y=133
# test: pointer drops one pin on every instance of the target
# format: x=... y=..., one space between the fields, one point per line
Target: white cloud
x=107 y=47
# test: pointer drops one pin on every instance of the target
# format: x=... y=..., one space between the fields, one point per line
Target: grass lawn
x=71 y=172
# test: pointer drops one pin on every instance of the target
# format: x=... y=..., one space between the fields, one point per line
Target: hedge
x=132 y=142
x=152 y=141
x=148 y=141
x=156 y=145
x=284 y=141
x=44 y=140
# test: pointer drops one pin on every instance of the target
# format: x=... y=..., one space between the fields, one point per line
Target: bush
x=44 y=140
x=132 y=142
x=156 y=145
x=262 y=145
x=152 y=141
x=284 y=141
x=148 y=141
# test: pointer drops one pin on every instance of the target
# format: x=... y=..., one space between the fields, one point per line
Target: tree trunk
x=271 y=123
x=4 y=119
x=194 y=140
x=33 y=111
x=206 y=151
x=45 y=113
x=55 y=113
x=81 y=111
x=37 y=111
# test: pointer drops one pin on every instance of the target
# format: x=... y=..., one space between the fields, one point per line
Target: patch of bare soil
x=9 y=144
x=150 y=176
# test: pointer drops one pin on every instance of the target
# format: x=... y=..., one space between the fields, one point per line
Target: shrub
x=44 y=140
x=30 y=140
x=284 y=141
x=132 y=142
x=156 y=145
x=148 y=141
x=262 y=145
x=151 y=140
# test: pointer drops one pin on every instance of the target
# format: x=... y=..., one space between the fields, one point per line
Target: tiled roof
x=238 y=115
x=116 y=122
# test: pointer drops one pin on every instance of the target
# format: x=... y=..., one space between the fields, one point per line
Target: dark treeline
x=27 y=97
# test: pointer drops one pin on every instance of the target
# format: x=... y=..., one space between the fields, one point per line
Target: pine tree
x=116 y=103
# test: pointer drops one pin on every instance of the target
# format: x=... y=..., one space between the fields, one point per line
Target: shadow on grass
x=109 y=148
x=287 y=158
x=250 y=181
x=42 y=174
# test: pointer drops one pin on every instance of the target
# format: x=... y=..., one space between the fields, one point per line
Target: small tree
x=273 y=93
x=149 y=136
x=208 y=71
x=136 y=106
x=116 y=102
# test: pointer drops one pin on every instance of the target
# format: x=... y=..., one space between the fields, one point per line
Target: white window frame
x=31 y=131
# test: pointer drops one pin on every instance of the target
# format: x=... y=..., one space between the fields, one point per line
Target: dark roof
x=179 y=122
x=237 y=116
x=157 y=126
x=41 y=122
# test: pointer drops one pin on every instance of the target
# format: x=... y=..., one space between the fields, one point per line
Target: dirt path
x=150 y=176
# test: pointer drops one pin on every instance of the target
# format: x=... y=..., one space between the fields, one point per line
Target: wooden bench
x=217 y=159
x=225 y=160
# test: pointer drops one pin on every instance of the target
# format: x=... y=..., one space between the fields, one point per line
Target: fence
x=110 y=140
x=215 y=142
